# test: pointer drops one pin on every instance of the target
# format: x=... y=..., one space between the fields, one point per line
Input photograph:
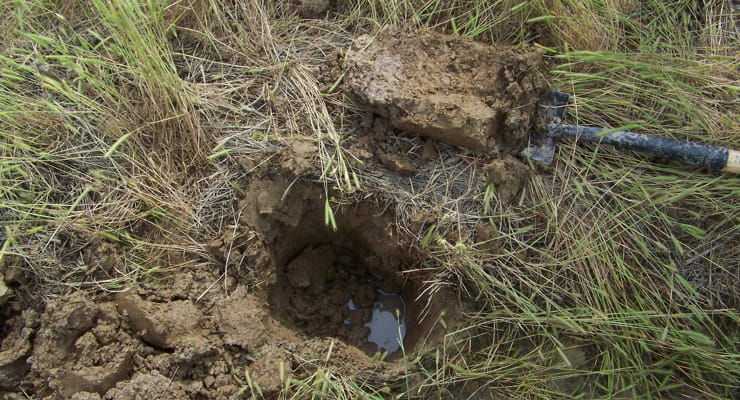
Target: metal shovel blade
x=551 y=110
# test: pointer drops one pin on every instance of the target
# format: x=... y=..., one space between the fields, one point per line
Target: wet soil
x=449 y=88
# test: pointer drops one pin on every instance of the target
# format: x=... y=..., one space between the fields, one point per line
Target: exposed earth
x=449 y=89
x=275 y=302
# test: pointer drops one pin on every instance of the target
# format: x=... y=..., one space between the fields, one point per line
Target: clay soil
x=271 y=302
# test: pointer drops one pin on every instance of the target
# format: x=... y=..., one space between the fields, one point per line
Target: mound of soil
x=449 y=88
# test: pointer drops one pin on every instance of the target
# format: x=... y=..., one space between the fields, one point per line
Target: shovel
x=541 y=147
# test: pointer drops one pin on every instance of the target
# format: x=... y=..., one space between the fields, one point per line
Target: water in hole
x=388 y=323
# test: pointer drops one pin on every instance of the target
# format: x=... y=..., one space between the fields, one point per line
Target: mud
x=448 y=88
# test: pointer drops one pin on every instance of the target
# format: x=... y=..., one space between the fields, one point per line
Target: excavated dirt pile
x=449 y=88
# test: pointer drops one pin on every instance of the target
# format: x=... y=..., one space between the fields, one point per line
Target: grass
x=125 y=122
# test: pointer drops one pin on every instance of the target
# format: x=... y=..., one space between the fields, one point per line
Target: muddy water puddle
x=334 y=291
x=387 y=323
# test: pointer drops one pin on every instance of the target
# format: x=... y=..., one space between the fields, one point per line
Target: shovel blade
x=540 y=149
x=551 y=110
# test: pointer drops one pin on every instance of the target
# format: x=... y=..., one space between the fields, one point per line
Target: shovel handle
x=715 y=158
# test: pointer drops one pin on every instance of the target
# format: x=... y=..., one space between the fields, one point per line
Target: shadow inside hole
x=346 y=283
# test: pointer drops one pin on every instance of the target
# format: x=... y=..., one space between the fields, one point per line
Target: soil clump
x=448 y=88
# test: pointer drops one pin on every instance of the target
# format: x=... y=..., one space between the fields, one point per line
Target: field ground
x=190 y=191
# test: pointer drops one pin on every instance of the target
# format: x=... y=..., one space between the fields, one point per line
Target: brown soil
x=272 y=300
x=449 y=88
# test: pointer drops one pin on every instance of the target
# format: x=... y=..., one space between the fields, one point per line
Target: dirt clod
x=309 y=268
x=147 y=386
x=397 y=162
x=15 y=347
x=79 y=347
x=97 y=379
x=271 y=372
x=301 y=158
x=85 y=396
x=62 y=323
x=508 y=176
x=161 y=325
x=246 y=322
x=448 y=88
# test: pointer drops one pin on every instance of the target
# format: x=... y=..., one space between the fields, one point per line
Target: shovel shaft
x=712 y=157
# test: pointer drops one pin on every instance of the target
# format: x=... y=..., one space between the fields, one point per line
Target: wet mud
x=449 y=88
